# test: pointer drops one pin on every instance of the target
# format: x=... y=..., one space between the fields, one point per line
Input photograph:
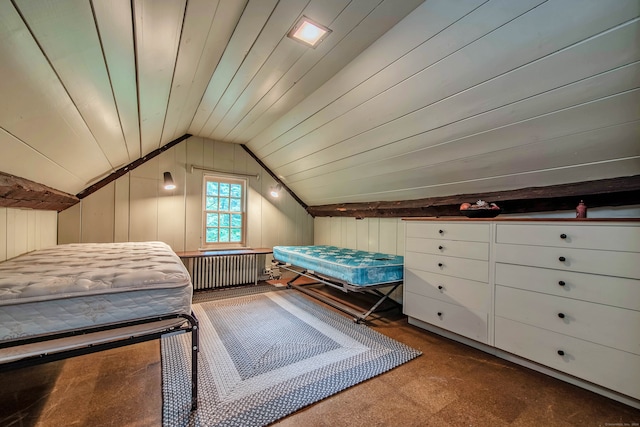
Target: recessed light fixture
x=308 y=32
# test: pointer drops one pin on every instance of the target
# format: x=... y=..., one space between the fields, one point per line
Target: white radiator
x=222 y=271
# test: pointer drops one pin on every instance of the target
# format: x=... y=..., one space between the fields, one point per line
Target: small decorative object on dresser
x=480 y=209
x=581 y=210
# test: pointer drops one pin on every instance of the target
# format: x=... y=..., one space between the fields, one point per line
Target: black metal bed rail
x=88 y=348
x=359 y=317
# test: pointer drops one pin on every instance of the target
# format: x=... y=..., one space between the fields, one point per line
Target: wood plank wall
x=136 y=207
x=25 y=230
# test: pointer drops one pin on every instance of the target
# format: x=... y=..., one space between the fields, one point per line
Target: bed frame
x=190 y=325
x=358 y=316
x=53 y=293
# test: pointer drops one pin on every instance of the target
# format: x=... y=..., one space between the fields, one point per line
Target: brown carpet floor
x=449 y=385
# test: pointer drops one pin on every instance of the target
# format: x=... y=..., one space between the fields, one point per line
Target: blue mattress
x=355 y=267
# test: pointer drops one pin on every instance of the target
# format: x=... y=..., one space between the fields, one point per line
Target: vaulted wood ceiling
x=404 y=100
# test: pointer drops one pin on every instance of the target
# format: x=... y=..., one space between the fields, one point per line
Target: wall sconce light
x=275 y=191
x=168 y=181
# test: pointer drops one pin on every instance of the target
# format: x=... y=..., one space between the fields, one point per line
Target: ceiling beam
x=128 y=168
x=621 y=191
x=18 y=192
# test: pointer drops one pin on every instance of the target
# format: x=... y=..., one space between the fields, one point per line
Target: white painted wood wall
x=25 y=230
x=136 y=207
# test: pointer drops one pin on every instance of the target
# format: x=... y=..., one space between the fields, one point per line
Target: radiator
x=222 y=271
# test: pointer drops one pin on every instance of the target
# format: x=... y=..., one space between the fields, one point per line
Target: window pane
x=236 y=235
x=236 y=220
x=212 y=220
x=224 y=234
x=224 y=220
x=212 y=235
x=235 y=205
x=236 y=190
x=212 y=188
x=212 y=204
x=224 y=189
x=224 y=204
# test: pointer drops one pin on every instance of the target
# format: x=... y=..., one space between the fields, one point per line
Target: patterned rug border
x=382 y=354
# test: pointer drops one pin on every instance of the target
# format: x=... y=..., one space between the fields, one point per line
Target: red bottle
x=581 y=210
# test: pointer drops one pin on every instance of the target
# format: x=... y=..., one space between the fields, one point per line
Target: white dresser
x=563 y=294
x=446 y=281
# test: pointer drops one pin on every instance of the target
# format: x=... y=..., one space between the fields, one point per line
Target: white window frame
x=230 y=179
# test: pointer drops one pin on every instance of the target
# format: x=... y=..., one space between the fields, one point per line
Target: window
x=224 y=211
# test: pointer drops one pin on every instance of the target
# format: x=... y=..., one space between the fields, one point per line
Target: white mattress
x=75 y=286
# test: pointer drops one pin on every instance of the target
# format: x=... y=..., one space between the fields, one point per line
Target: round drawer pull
x=439 y=313
x=563 y=236
x=439 y=264
x=561 y=353
x=561 y=283
x=441 y=247
x=561 y=315
x=441 y=231
x=440 y=287
x=562 y=259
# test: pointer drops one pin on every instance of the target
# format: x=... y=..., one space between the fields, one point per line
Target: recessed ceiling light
x=308 y=32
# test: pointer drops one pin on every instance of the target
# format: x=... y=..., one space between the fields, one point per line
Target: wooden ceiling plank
x=27 y=162
x=158 y=26
x=461 y=135
x=115 y=27
x=265 y=45
x=430 y=17
x=446 y=38
x=493 y=104
x=66 y=32
x=574 y=121
x=286 y=55
x=300 y=80
x=521 y=38
x=208 y=28
x=36 y=109
x=562 y=152
x=251 y=23
x=622 y=168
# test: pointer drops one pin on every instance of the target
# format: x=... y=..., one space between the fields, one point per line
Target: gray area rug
x=266 y=355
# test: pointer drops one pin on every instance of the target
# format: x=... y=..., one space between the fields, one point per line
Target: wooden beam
x=18 y=192
x=131 y=166
x=621 y=191
x=290 y=191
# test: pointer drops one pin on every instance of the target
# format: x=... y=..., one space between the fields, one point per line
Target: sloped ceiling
x=404 y=100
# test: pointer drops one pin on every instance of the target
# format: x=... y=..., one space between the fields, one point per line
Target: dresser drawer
x=477 y=232
x=457 y=248
x=586 y=236
x=459 y=320
x=463 y=292
x=598 y=323
x=458 y=267
x=614 y=291
x=619 y=264
x=608 y=367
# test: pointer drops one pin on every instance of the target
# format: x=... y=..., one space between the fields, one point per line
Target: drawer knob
x=440 y=287
x=561 y=283
x=562 y=259
x=563 y=236
x=441 y=231
x=441 y=247
x=561 y=353
x=439 y=264
x=439 y=313
x=561 y=315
